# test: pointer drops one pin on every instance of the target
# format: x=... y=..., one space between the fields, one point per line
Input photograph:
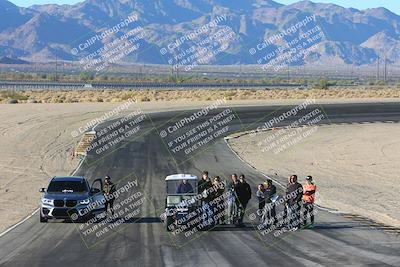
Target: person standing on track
x=294 y=195
x=232 y=196
x=261 y=199
x=309 y=189
x=243 y=191
x=205 y=183
x=270 y=209
x=285 y=220
x=218 y=201
x=109 y=189
x=202 y=188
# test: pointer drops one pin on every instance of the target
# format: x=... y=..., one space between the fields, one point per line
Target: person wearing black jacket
x=243 y=191
x=270 y=209
x=286 y=206
x=204 y=183
x=294 y=194
x=203 y=187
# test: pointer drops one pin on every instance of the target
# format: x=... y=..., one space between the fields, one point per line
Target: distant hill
x=8 y=60
x=351 y=36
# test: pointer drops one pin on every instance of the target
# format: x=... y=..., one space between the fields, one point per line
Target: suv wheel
x=43 y=219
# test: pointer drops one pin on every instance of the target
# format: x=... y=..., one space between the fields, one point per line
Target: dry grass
x=84 y=96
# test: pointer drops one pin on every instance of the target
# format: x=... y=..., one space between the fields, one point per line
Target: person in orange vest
x=309 y=189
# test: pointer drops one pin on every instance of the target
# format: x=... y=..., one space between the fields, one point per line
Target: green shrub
x=380 y=82
x=321 y=84
x=10 y=94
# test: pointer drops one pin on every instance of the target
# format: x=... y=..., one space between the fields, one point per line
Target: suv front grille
x=71 y=203
x=59 y=203
x=64 y=213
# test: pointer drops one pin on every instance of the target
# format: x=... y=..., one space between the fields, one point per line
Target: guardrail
x=11 y=85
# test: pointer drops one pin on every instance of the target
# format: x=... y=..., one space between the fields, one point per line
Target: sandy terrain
x=85 y=96
x=36 y=144
x=355 y=166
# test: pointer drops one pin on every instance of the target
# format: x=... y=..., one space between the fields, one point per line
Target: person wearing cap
x=309 y=189
x=109 y=189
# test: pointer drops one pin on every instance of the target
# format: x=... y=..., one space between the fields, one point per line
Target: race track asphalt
x=147 y=158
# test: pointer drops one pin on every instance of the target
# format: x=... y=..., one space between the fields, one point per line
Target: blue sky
x=393 y=5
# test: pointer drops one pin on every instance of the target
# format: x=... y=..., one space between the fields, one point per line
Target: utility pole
x=56 y=67
x=378 y=77
x=385 y=70
x=353 y=63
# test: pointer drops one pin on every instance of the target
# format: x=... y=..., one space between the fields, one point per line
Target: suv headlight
x=48 y=201
x=84 y=201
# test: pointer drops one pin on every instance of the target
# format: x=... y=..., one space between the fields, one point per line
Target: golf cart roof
x=175 y=177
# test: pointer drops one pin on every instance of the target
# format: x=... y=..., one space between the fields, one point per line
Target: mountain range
x=43 y=33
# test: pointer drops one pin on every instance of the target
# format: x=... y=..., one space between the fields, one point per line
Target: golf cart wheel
x=169 y=221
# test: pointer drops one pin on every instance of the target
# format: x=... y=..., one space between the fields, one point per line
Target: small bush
x=145 y=99
x=321 y=84
x=126 y=97
x=230 y=94
x=380 y=83
x=9 y=94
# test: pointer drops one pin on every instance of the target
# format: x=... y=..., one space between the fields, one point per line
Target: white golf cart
x=180 y=201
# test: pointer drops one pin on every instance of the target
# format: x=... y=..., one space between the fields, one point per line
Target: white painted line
x=248 y=164
x=18 y=224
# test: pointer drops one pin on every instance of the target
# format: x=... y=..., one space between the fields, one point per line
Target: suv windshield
x=67 y=186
